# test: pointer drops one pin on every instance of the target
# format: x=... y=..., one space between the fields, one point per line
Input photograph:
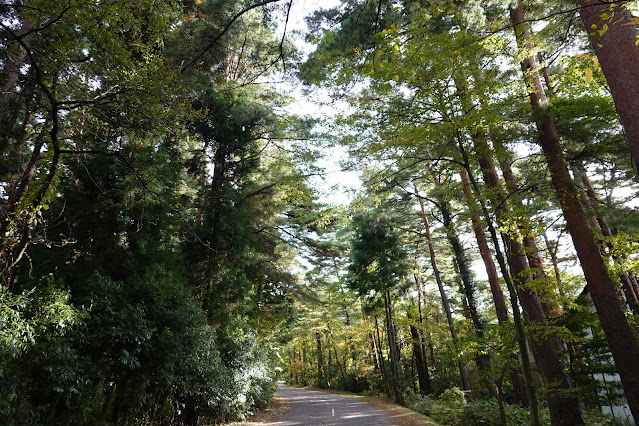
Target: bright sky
x=335 y=185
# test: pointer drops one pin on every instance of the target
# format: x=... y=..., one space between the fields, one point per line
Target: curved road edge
x=296 y=406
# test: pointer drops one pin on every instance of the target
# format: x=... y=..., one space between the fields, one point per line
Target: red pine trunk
x=614 y=41
x=620 y=335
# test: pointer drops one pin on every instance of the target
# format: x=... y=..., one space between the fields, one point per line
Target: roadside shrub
x=486 y=412
x=138 y=351
x=352 y=382
x=423 y=404
x=451 y=408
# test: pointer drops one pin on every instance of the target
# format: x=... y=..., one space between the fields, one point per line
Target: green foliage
x=379 y=261
x=142 y=348
x=143 y=205
x=27 y=317
x=482 y=412
x=452 y=409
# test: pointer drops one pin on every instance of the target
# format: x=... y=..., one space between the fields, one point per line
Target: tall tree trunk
x=531 y=395
x=469 y=293
x=484 y=251
x=626 y=283
x=393 y=350
x=535 y=260
x=546 y=345
x=613 y=35
x=544 y=72
x=321 y=375
x=463 y=372
x=420 y=362
x=493 y=280
x=373 y=353
x=552 y=251
x=380 y=353
x=620 y=335
x=11 y=72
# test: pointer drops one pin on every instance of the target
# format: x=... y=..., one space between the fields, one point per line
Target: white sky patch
x=337 y=185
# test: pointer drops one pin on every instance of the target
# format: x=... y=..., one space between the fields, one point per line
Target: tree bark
x=11 y=71
x=543 y=284
x=545 y=344
x=393 y=350
x=626 y=283
x=530 y=396
x=552 y=251
x=613 y=37
x=620 y=335
x=420 y=362
x=385 y=378
x=463 y=372
x=499 y=300
x=484 y=251
x=321 y=376
x=468 y=289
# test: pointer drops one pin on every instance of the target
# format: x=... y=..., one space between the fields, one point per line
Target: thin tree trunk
x=11 y=70
x=393 y=350
x=633 y=277
x=385 y=374
x=373 y=353
x=493 y=279
x=449 y=316
x=620 y=335
x=321 y=376
x=626 y=283
x=535 y=261
x=552 y=251
x=484 y=251
x=544 y=72
x=468 y=288
x=420 y=358
x=546 y=346
x=420 y=362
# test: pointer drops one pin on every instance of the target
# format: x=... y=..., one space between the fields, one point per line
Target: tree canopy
x=168 y=251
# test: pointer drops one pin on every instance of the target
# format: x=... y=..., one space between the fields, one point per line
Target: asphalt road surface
x=308 y=407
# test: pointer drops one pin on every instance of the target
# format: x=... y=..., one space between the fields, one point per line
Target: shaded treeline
x=148 y=191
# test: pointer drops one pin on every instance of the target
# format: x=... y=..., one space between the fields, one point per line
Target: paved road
x=307 y=407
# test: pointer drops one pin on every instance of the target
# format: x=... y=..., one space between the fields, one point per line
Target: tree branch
x=225 y=29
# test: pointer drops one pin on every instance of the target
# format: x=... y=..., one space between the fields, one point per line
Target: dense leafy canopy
x=164 y=256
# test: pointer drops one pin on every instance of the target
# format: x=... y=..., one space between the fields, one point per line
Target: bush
x=133 y=352
x=486 y=412
x=352 y=382
x=452 y=409
x=423 y=404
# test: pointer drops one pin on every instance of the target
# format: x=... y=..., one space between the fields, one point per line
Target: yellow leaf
x=604 y=16
x=396 y=77
x=588 y=75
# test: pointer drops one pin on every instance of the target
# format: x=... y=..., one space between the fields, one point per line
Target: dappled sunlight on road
x=307 y=407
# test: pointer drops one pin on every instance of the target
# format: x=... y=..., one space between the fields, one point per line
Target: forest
x=170 y=247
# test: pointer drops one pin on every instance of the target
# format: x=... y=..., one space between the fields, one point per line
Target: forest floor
x=303 y=406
